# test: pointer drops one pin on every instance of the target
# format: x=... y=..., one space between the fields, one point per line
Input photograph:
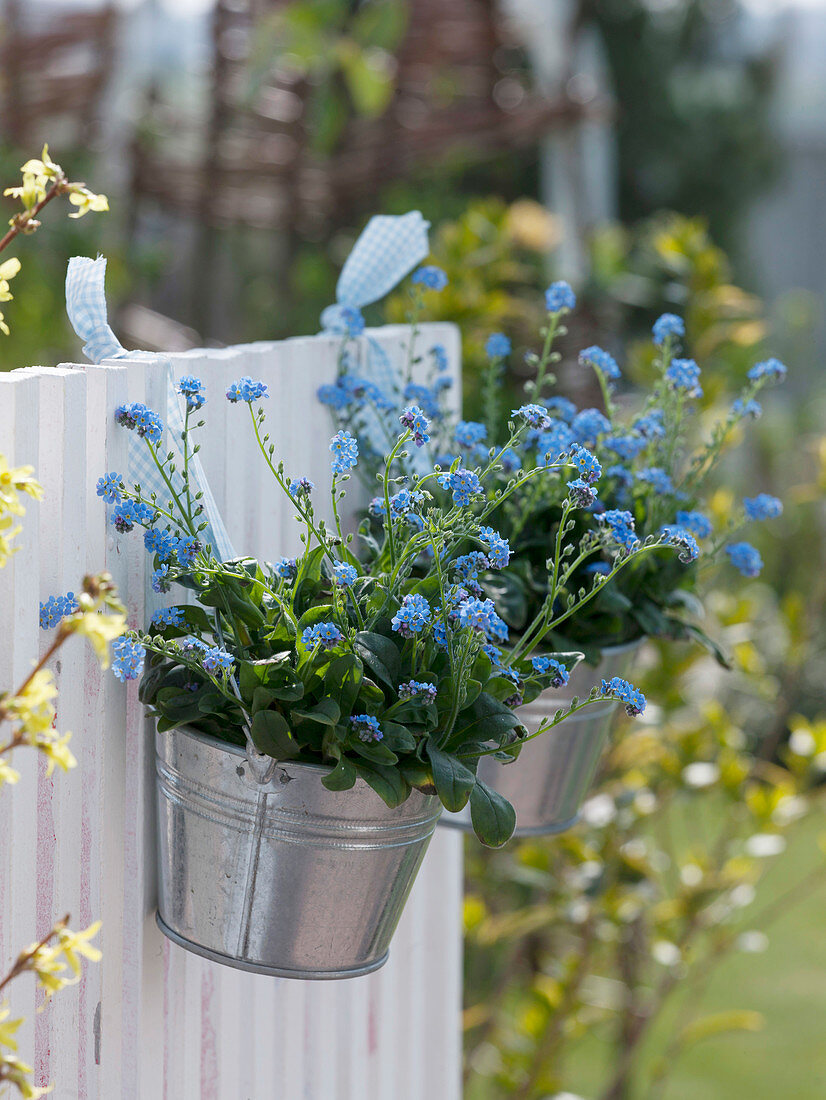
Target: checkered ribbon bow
x=86 y=306
x=389 y=247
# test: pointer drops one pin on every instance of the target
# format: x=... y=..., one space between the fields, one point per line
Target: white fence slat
x=152 y=1021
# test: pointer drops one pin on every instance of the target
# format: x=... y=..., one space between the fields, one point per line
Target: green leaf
x=493 y=817
x=452 y=779
x=326 y=712
x=368 y=77
x=342 y=777
x=388 y=783
x=343 y=680
x=271 y=735
x=375 y=751
x=486 y=720
x=719 y=1024
x=382 y=23
x=380 y=655
x=398 y=737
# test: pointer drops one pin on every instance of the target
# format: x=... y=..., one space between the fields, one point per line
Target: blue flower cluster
x=668 y=324
x=561 y=407
x=425 y=397
x=345 y=451
x=413 y=615
x=589 y=424
x=108 y=487
x=617 y=688
x=137 y=417
x=327 y=635
x=581 y=494
x=651 y=426
x=554 y=442
x=626 y=447
x=772 y=369
x=695 y=522
x=587 y=464
x=498 y=552
x=55 y=608
x=464 y=484
x=165 y=546
x=602 y=361
x=544 y=665
x=217 y=661
x=127 y=659
x=470 y=433
x=418 y=689
x=192 y=389
x=160 y=579
x=683 y=539
x=439 y=357
x=415 y=421
x=301 y=487
x=481 y=615
x=657 y=479
x=497 y=346
x=345 y=575
x=510 y=461
x=366 y=727
x=131 y=512
x=431 y=277
x=763 y=506
x=245 y=389
x=286 y=568
x=535 y=416
x=351 y=390
x=751 y=408
x=684 y=375
x=559 y=296
x=745 y=558
x=167 y=616
x=619 y=525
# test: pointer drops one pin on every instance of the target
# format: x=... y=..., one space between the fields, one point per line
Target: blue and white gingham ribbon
x=86 y=306
x=389 y=247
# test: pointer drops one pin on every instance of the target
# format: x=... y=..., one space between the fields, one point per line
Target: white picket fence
x=152 y=1021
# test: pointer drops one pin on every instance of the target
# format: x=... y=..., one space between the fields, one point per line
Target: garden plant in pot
x=315 y=714
x=641 y=486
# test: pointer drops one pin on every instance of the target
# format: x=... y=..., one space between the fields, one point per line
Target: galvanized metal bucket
x=285 y=878
x=549 y=780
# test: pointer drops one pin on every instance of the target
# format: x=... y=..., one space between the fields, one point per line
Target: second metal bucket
x=549 y=780
x=288 y=878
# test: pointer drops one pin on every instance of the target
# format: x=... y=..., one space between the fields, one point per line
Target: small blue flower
x=772 y=369
x=543 y=665
x=159 y=579
x=561 y=407
x=246 y=390
x=160 y=542
x=286 y=568
x=108 y=487
x=127 y=659
x=470 y=432
x=216 y=660
x=559 y=297
x=619 y=526
x=554 y=441
x=464 y=484
x=418 y=689
x=439 y=357
x=366 y=727
x=137 y=417
x=695 y=522
x=668 y=324
x=336 y=396
x=497 y=346
x=753 y=409
x=481 y=615
x=586 y=463
x=192 y=389
x=589 y=424
x=413 y=615
x=510 y=461
x=55 y=608
x=327 y=635
x=535 y=416
x=498 y=550
x=403 y=502
x=468 y=566
x=187 y=549
x=651 y=425
x=302 y=487
x=657 y=478
x=415 y=421
x=602 y=361
x=424 y=397
x=345 y=574
x=763 y=506
x=167 y=616
x=627 y=447
x=433 y=278
x=617 y=688
x=684 y=375
x=377 y=508
x=582 y=495
x=345 y=451
x=683 y=539
x=129 y=512
x=745 y=558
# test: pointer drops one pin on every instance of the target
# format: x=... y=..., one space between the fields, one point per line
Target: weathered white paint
x=152 y=1022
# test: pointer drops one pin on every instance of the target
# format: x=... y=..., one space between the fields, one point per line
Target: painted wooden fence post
x=153 y=1021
